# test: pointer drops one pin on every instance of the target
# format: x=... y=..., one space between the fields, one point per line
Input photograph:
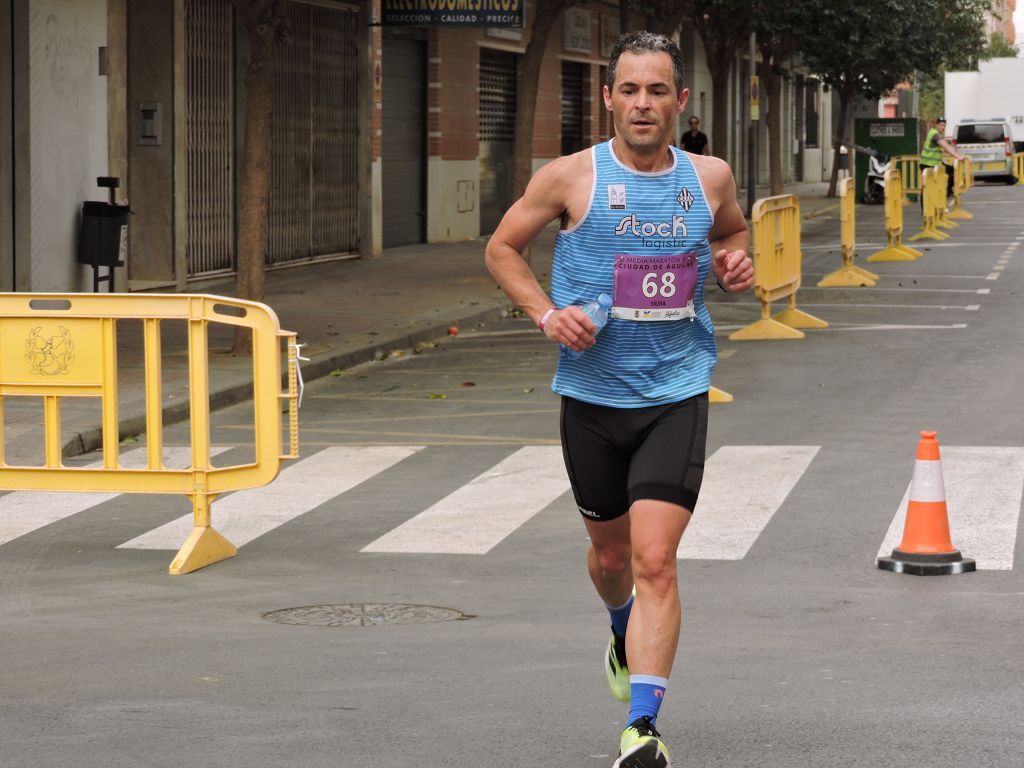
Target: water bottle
x=597 y=311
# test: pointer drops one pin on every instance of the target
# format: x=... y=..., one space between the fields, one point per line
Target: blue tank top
x=637 y=228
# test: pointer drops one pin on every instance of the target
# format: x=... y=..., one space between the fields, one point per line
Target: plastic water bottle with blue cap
x=597 y=311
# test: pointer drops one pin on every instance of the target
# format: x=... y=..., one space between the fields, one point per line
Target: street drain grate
x=363 y=615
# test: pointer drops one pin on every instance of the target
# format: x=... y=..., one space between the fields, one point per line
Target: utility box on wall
x=894 y=135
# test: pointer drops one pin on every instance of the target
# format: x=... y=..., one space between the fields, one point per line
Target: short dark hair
x=641 y=42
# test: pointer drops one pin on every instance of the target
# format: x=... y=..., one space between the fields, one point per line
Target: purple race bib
x=654 y=287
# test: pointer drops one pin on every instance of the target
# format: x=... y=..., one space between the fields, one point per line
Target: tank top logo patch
x=617 y=197
x=653 y=234
x=685 y=199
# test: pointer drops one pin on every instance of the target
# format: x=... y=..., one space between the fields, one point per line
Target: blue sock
x=646 y=693
x=620 y=617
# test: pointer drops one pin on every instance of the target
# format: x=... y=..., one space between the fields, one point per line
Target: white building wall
x=68 y=134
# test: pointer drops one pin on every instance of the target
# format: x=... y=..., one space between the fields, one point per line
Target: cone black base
x=927 y=565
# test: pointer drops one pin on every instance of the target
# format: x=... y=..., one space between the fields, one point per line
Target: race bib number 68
x=654 y=288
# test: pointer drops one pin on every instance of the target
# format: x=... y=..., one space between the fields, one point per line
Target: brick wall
x=454 y=99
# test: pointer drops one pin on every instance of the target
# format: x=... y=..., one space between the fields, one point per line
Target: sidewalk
x=345 y=313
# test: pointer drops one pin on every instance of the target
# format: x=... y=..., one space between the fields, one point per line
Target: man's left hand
x=734 y=270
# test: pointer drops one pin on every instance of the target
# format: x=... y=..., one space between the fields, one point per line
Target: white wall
x=68 y=134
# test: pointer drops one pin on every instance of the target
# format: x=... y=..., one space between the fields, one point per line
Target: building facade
x=382 y=136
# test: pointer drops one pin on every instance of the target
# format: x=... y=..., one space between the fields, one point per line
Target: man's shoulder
x=561 y=174
x=567 y=167
x=711 y=168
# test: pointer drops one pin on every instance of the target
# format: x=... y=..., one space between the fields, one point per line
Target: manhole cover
x=363 y=615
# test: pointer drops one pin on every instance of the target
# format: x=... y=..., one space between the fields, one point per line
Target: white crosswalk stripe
x=479 y=515
x=247 y=515
x=25 y=511
x=984 y=487
x=743 y=487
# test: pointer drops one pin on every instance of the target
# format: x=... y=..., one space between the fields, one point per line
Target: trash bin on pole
x=103 y=240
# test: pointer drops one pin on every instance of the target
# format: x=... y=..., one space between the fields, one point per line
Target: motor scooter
x=874 y=183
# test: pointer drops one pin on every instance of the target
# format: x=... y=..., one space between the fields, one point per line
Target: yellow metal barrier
x=896 y=250
x=849 y=275
x=933 y=182
x=909 y=167
x=963 y=175
x=55 y=346
x=777 y=270
x=1018 y=167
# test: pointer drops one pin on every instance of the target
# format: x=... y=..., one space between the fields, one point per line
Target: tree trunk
x=771 y=87
x=844 y=104
x=719 y=107
x=526 y=100
x=254 y=188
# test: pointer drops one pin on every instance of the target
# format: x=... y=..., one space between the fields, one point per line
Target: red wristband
x=544 y=318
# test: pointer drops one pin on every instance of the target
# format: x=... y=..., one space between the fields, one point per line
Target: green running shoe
x=615 y=667
x=641 y=747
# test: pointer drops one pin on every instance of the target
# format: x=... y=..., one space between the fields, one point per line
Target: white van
x=989 y=144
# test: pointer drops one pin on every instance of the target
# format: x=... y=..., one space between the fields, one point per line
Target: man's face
x=694 y=124
x=643 y=101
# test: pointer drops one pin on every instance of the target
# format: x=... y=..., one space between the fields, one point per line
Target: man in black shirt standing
x=693 y=140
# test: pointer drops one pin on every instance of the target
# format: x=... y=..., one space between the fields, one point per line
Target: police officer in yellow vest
x=931 y=152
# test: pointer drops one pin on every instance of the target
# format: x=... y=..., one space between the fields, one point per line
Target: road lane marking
x=840 y=304
x=301 y=487
x=478 y=516
x=22 y=512
x=984 y=487
x=730 y=515
x=834 y=326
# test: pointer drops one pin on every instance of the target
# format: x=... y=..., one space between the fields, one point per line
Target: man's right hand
x=571 y=327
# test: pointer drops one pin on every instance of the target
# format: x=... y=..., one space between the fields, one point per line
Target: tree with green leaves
x=780 y=29
x=724 y=27
x=865 y=48
x=266 y=23
x=998 y=48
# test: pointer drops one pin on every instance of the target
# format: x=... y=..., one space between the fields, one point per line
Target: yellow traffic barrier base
x=54 y=346
x=716 y=395
x=848 y=275
x=797 y=318
x=1018 y=168
x=204 y=546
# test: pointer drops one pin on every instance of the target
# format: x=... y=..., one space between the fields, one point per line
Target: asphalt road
x=433 y=479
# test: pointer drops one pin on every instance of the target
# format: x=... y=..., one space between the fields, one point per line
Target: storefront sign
x=576 y=31
x=611 y=28
x=877 y=130
x=453 y=13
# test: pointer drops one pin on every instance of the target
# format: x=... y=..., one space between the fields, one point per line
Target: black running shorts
x=615 y=456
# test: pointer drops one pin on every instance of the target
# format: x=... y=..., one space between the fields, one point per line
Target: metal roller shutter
x=572 y=107
x=497 y=135
x=210 y=128
x=404 y=118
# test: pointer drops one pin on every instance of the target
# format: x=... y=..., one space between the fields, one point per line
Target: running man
x=644 y=223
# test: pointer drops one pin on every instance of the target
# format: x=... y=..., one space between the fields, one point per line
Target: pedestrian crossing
x=745 y=488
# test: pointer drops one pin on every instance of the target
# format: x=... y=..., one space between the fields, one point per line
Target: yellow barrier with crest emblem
x=56 y=346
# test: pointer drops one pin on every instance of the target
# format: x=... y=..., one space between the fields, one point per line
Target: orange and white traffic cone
x=926 y=549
